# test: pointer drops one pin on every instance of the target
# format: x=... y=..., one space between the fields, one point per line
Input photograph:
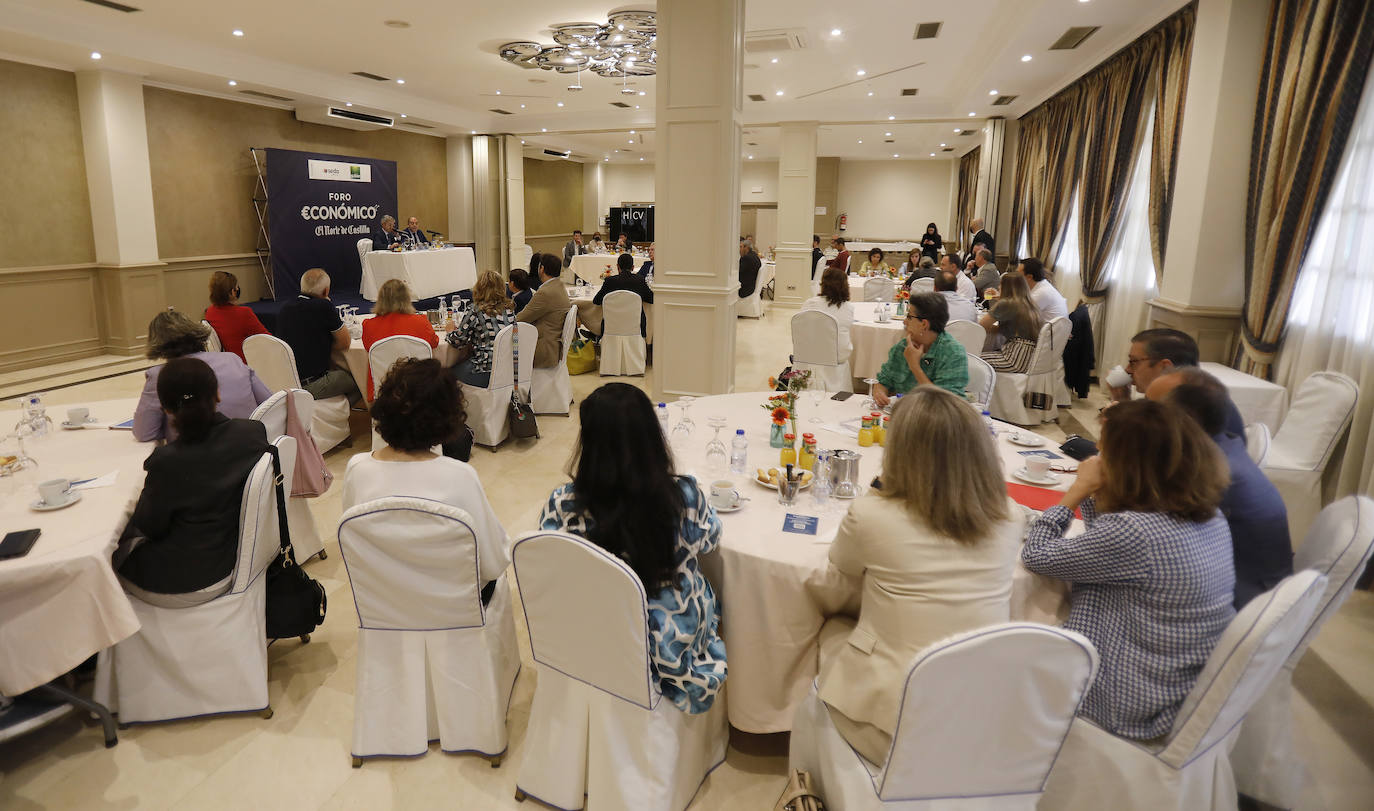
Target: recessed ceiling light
x=992 y=92
x=835 y=32
x=608 y=160
x=861 y=72
x=641 y=92
x=892 y=118
x=774 y=60
x=641 y=159
x=630 y=141
x=616 y=150
x=957 y=130
x=546 y=129
x=861 y=140
x=636 y=106
x=403 y=115
x=932 y=154
x=348 y=104
x=474 y=132
x=400 y=81
x=970 y=115
x=233 y=83
x=751 y=157
x=887 y=135
x=632 y=132
x=779 y=93
x=522 y=106
x=941 y=144
x=95 y=54
x=1026 y=58
x=237 y=32
x=560 y=104
x=895 y=155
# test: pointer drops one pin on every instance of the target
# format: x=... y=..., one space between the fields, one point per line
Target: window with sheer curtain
x=1130 y=271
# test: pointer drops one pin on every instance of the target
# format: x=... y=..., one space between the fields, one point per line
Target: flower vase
x=776 y=437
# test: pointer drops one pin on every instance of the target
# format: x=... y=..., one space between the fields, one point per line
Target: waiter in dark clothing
x=749 y=264
x=816 y=254
x=980 y=237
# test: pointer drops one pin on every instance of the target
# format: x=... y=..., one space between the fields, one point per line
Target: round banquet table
x=871 y=340
x=591 y=267
x=354 y=358
x=61 y=603
x=589 y=314
x=777 y=588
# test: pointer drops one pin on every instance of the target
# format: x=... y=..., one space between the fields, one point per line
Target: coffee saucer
x=1026 y=476
x=738 y=506
x=76 y=426
x=42 y=506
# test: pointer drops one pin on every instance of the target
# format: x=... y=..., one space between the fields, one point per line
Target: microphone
x=434 y=233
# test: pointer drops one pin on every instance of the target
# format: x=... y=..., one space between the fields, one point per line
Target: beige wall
x=627 y=183
x=553 y=196
x=45 y=205
x=893 y=199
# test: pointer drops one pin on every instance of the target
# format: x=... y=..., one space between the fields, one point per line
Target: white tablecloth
x=590 y=267
x=354 y=359
x=1258 y=400
x=428 y=273
x=871 y=340
x=776 y=589
x=61 y=603
x=589 y=314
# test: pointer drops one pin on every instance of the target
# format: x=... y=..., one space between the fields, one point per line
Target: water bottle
x=992 y=427
x=662 y=410
x=739 y=453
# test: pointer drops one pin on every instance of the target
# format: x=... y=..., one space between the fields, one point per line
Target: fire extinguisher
x=844 y=221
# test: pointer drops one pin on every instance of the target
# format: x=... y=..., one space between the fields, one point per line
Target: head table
x=777 y=588
x=61 y=603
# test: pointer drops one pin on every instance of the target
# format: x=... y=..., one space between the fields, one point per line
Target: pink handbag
x=311 y=478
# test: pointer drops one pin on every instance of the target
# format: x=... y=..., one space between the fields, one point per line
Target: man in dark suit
x=626 y=279
x=387 y=235
x=573 y=248
x=816 y=254
x=749 y=264
x=413 y=235
x=647 y=269
x=980 y=237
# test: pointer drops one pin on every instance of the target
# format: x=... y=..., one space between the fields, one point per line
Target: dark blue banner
x=319 y=206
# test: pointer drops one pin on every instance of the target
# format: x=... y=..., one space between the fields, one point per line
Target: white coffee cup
x=724 y=496
x=78 y=416
x=1118 y=377
x=54 y=491
x=1038 y=467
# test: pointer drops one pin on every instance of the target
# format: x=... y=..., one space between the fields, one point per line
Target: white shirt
x=966 y=287
x=844 y=314
x=1049 y=301
x=442 y=479
x=960 y=308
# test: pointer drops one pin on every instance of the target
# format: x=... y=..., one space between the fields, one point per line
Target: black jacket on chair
x=1079 y=355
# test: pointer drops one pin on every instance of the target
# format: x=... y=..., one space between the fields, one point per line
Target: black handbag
x=1076 y=447
x=296 y=602
x=522 y=422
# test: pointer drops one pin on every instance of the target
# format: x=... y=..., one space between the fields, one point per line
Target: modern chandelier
x=622 y=48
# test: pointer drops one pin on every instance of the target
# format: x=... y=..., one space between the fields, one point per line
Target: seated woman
x=936 y=548
x=596 y=245
x=394 y=315
x=625 y=498
x=1012 y=324
x=834 y=299
x=418 y=406
x=173 y=335
x=875 y=266
x=927 y=355
x=532 y=276
x=185 y=528
x=231 y=321
x=1153 y=576
x=491 y=311
x=519 y=288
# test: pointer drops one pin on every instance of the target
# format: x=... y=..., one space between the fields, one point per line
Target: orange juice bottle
x=876 y=418
x=807 y=457
x=788 y=454
x=866 y=432
x=883 y=440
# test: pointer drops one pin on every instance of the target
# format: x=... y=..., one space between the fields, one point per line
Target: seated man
x=547 y=308
x=1252 y=506
x=1048 y=300
x=926 y=356
x=749 y=264
x=1158 y=352
x=985 y=273
x=626 y=279
x=573 y=248
x=647 y=269
x=841 y=260
x=312 y=328
x=383 y=239
x=519 y=288
x=413 y=235
x=960 y=308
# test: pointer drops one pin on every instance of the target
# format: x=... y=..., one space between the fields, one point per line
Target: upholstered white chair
x=364 y=246
x=551 y=389
x=983 y=715
x=433 y=662
x=209 y=659
x=212 y=342
x=1189 y=768
x=878 y=288
x=305 y=536
x=923 y=285
x=488 y=408
x=600 y=733
x=1257 y=440
x=1317 y=420
x=816 y=347
x=753 y=305
x=623 y=351
x=529 y=254
x=380 y=358
x=1044 y=377
x=982 y=380
x=1267 y=759
x=275 y=364
x=972 y=336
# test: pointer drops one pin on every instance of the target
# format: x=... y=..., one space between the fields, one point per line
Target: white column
x=514 y=181
x=486 y=202
x=796 y=211
x=699 y=126
x=460 y=207
x=592 y=184
x=114 y=132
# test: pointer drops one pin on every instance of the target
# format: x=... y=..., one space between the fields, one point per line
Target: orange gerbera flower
x=780 y=415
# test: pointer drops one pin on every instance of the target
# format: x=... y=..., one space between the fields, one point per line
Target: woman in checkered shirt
x=491 y=310
x=1153 y=576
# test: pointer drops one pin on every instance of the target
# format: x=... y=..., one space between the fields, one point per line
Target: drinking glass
x=717 y=455
x=814 y=392
x=682 y=432
x=870 y=404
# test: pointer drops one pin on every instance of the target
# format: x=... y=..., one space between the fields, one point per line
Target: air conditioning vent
x=555 y=153
x=115 y=6
x=948 y=149
x=419 y=126
x=1073 y=37
x=968 y=132
x=622 y=105
x=751 y=143
x=755 y=97
x=890 y=141
x=1004 y=100
x=909 y=91
x=499 y=111
x=369 y=118
x=263 y=95
x=927 y=31
x=343 y=117
x=781 y=39
x=374 y=77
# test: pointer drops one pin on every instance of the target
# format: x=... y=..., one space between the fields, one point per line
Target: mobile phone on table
x=17 y=544
x=842 y=395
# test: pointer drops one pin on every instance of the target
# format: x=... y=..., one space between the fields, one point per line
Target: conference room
x=726 y=404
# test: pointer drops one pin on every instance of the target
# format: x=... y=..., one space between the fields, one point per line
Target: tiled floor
x=300 y=758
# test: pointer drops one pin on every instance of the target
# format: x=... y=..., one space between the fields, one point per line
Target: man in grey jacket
x=985 y=273
x=573 y=248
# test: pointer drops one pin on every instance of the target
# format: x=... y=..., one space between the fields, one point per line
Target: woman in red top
x=231 y=321
x=395 y=315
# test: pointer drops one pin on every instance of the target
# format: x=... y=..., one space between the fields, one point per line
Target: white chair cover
x=380 y=358
x=816 y=347
x=1025 y=681
x=364 y=245
x=551 y=389
x=212 y=342
x=305 y=536
x=208 y=659
x=753 y=305
x=623 y=351
x=529 y=254
x=1316 y=421
x=1190 y=769
x=489 y=408
x=1257 y=441
x=274 y=363
x=1044 y=377
x=971 y=335
x=878 y=288
x=432 y=663
x=600 y=735
x=982 y=380
x=923 y=285
x=1267 y=760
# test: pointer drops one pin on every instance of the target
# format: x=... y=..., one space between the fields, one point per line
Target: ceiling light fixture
x=751 y=157
x=895 y=155
x=1026 y=58
x=641 y=93
x=641 y=159
x=941 y=144
x=233 y=83
x=970 y=115
x=522 y=106
x=774 y=60
x=348 y=104
x=403 y=115
x=861 y=140
x=932 y=154
x=779 y=93
x=632 y=132
x=400 y=81
x=992 y=92
x=625 y=44
x=238 y=32
x=636 y=106
x=95 y=54
x=887 y=135
x=560 y=104
x=892 y=118
x=545 y=129
x=861 y=72
x=835 y=32
x=870 y=92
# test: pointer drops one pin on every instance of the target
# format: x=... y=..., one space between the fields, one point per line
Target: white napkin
x=106 y=480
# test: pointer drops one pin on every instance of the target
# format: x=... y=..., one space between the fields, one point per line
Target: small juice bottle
x=876 y=418
x=866 y=432
x=883 y=441
x=788 y=454
x=807 y=458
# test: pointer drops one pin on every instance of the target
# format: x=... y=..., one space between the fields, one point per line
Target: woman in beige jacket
x=936 y=548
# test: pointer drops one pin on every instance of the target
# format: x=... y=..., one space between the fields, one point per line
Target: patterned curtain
x=968 y=188
x=1174 y=55
x=1314 y=71
x=1030 y=159
x=1051 y=187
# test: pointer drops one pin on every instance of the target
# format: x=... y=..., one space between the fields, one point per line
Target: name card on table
x=800 y=524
